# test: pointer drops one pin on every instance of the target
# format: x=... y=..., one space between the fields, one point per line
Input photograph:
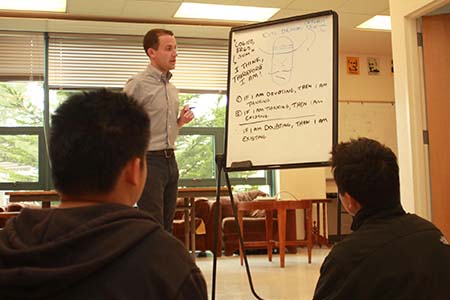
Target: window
x=202 y=139
x=22 y=139
x=79 y=62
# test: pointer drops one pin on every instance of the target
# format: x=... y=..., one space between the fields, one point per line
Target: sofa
x=204 y=222
x=228 y=239
x=253 y=226
x=7 y=211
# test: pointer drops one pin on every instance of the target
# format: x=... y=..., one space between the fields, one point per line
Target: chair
x=204 y=225
x=254 y=224
x=268 y=207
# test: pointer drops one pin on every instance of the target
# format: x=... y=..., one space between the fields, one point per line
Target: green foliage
x=195 y=156
x=17 y=108
x=19 y=153
x=216 y=118
x=195 y=153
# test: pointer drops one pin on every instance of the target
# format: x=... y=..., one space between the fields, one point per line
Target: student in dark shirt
x=391 y=254
x=95 y=245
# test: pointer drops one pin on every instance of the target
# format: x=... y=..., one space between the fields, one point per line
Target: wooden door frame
x=410 y=103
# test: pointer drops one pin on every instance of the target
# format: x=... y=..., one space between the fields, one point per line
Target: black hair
x=93 y=135
x=151 y=38
x=367 y=171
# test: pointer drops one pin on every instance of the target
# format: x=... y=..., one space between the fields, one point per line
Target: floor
x=296 y=281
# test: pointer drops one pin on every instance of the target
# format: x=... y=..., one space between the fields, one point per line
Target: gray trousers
x=160 y=192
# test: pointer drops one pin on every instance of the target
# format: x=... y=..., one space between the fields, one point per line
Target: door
x=436 y=47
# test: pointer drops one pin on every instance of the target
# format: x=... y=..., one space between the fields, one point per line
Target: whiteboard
x=282 y=93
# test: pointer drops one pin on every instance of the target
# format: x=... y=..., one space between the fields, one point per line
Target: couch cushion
x=227 y=210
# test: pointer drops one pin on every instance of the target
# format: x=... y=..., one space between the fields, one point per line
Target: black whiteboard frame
x=334 y=91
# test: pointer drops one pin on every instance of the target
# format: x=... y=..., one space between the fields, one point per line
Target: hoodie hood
x=45 y=251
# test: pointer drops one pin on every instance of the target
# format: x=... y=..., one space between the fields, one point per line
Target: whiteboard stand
x=220 y=162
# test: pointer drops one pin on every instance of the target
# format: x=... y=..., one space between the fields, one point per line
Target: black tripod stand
x=220 y=168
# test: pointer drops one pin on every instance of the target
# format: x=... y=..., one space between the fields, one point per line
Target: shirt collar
x=366 y=214
x=157 y=74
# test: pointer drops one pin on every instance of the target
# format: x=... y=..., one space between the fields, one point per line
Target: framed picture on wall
x=372 y=66
x=353 y=65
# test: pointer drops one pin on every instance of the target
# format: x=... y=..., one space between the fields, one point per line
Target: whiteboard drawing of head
x=282 y=60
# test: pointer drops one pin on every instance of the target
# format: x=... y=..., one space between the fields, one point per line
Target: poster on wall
x=372 y=66
x=353 y=65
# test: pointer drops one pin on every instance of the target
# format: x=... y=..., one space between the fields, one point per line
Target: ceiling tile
x=265 y=3
x=365 y=7
x=286 y=13
x=98 y=7
x=350 y=21
x=157 y=10
x=223 y=2
x=317 y=5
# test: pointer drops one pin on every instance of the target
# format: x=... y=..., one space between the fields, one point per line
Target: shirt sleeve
x=193 y=287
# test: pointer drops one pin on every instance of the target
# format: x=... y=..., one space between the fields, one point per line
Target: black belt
x=167 y=153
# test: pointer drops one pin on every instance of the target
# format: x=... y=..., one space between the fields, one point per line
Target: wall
x=365 y=87
x=316 y=182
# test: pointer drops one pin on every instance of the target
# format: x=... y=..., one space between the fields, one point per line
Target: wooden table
x=281 y=206
x=46 y=197
x=189 y=195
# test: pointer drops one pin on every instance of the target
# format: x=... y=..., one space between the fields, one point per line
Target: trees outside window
x=21 y=121
x=202 y=139
x=197 y=145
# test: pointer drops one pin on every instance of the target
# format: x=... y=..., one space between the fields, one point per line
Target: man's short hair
x=151 y=38
x=367 y=171
x=93 y=135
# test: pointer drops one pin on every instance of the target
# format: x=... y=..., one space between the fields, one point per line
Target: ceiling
x=350 y=12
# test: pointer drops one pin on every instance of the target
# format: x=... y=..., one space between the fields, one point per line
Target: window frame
x=42 y=155
x=217 y=87
x=218 y=134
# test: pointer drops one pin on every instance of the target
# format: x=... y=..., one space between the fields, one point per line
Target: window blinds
x=87 y=61
x=21 y=56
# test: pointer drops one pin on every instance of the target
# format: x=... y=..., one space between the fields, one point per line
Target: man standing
x=160 y=99
x=391 y=254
